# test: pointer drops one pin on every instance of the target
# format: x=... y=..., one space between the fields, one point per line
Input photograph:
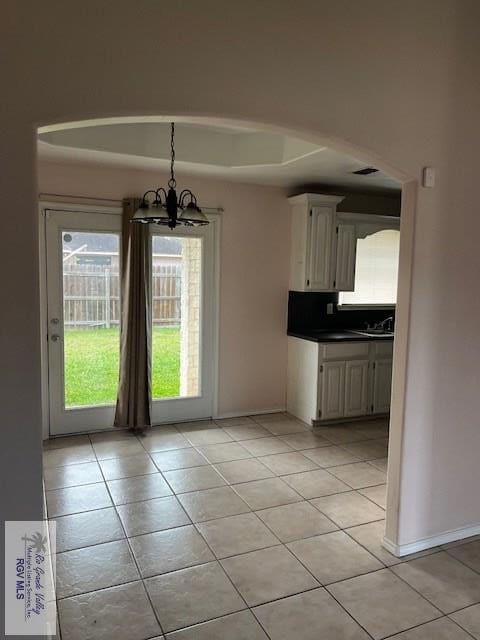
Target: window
x=376 y=270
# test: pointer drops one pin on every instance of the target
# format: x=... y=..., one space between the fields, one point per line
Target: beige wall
x=253 y=273
x=396 y=81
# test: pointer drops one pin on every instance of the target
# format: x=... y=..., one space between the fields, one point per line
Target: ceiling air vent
x=365 y=172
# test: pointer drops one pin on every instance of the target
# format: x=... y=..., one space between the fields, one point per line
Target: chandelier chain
x=168 y=208
x=172 y=182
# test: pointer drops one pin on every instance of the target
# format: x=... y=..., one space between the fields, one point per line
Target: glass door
x=83 y=290
x=83 y=297
x=183 y=320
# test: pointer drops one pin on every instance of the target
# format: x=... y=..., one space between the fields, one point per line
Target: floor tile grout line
x=414 y=588
x=283 y=544
x=273 y=478
x=370 y=499
x=242 y=553
x=428 y=555
x=346 y=530
x=416 y=626
x=250 y=510
x=110 y=586
x=449 y=616
x=320 y=584
x=72 y=486
x=250 y=608
x=182 y=493
x=461 y=561
x=128 y=544
x=221 y=566
x=136 y=564
x=371 y=636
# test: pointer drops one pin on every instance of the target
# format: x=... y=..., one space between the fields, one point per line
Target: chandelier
x=166 y=208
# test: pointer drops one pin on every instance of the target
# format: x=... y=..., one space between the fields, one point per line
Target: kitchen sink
x=372 y=332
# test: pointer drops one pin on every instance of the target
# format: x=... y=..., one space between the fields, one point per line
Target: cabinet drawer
x=384 y=349
x=344 y=351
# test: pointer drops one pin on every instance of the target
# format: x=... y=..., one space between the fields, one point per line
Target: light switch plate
x=428 y=177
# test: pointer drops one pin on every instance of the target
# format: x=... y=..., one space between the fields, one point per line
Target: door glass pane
x=91 y=317
x=176 y=316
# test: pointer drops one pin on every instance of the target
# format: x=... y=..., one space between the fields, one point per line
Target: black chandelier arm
x=158 y=197
x=183 y=194
x=144 y=198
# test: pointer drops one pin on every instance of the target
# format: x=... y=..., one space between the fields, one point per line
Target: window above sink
x=376 y=272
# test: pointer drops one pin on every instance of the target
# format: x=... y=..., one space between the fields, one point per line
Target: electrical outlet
x=330 y=309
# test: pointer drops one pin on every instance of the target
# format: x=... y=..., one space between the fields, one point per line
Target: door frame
x=98 y=206
x=208 y=330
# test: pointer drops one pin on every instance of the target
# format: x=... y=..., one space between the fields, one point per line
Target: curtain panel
x=133 y=408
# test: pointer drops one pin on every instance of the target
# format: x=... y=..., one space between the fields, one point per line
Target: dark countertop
x=342 y=335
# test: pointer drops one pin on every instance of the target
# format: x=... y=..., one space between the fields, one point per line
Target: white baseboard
x=400 y=550
x=253 y=412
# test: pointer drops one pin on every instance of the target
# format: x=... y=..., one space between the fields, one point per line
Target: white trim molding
x=246 y=413
x=400 y=550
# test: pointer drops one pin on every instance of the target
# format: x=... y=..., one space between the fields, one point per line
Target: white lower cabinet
x=356 y=388
x=334 y=381
x=332 y=390
x=382 y=386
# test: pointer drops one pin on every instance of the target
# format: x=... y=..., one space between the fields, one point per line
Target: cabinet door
x=346 y=255
x=356 y=388
x=320 y=246
x=333 y=390
x=382 y=386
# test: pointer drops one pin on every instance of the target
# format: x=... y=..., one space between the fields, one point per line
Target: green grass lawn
x=91 y=365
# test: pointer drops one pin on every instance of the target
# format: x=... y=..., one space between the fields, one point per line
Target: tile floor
x=244 y=529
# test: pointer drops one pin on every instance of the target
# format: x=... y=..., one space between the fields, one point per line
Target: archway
x=406 y=253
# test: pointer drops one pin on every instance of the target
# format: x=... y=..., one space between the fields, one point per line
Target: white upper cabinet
x=320 y=274
x=346 y=255
x=324 y=242
x=313 y=252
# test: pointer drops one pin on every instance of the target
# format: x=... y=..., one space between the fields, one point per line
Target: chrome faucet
x=386 y=324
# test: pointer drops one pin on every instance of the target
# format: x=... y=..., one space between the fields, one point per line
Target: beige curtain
x=134 y=395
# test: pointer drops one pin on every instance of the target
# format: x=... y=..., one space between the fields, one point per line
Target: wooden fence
x=91 y=294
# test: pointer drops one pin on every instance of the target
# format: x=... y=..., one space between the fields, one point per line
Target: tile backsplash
x=308 y=311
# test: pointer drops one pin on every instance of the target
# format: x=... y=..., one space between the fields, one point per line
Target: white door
x=382 y=386
x=83 y=299
x=83 y=309
x=320 y=260
x=333 y=390
x=183 y=323
x=346 y=255
x=356 y=388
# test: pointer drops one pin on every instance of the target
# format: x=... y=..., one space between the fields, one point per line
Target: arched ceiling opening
x=213 y=148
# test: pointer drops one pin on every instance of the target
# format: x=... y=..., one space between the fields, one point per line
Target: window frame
x=366 y=225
